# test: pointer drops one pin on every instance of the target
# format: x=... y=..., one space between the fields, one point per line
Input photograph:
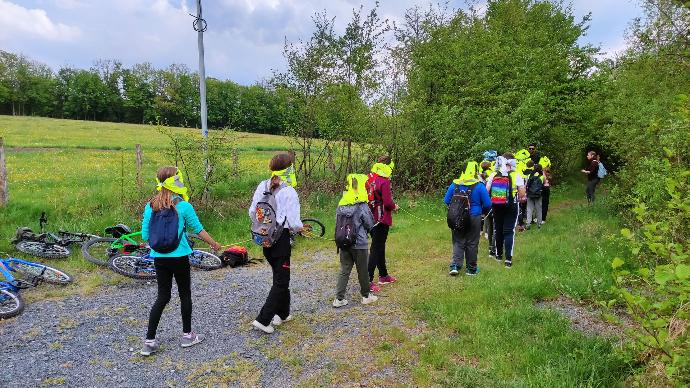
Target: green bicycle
x=102 y=250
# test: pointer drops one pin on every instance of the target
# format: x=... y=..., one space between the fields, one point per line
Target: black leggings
x=377 y=252
x=166 y=268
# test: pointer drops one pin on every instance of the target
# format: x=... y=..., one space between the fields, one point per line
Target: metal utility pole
x=200 y=27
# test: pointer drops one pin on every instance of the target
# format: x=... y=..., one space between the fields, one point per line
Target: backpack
x=235 y=257
x=374 y=195
x=534 y=186
x=345 y=234
x=501 y=192
x=163 y=230
x=601 y=171
x=265 y=228
x=458 y=216
x=370 y=185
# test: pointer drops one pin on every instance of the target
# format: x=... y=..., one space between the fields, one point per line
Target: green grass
x=481 y=331
x=492 y=318
x=40 y=132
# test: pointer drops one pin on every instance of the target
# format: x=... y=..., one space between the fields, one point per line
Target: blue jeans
x=505 y=220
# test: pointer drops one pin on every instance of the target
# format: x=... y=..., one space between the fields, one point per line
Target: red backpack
x=371 y=188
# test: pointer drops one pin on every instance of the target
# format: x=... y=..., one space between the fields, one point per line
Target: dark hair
x=509 y=155
x=280 y=161
x=385 y=159
x=532 y=145
x=593 y=153
x=530 y=163
x=538 y=168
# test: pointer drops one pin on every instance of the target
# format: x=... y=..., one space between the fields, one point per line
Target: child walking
x=535 y=187
x=466 y=240
x=166 y=217
x=276 y=309
x=354 y=211
x=382 y=206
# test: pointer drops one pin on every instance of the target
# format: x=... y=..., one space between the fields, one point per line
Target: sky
x=245 y=38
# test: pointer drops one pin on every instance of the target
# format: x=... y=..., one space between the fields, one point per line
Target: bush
x=654 y=283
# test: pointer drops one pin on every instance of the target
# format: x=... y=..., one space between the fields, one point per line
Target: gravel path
x=94 y=340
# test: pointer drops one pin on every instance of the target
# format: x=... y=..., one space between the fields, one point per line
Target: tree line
x=109 y=91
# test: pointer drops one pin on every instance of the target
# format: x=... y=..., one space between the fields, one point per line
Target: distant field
x=83 y=175
x=52 y=133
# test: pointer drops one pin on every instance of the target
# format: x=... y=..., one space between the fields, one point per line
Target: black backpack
x=534 y=186
x=459 y=209
x=163 y=226
x=345 y=234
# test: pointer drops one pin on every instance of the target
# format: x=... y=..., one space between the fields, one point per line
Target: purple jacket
x=383 y=204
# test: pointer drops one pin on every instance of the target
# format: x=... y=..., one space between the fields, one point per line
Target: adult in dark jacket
x=353 y=205
x=466 y=242
x=382 y=207
x=592 y=171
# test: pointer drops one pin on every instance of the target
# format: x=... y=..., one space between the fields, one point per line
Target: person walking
x=546 y=194
x=353 y=221
x=592 y=173
x=506 y=189
x=166 y=218
x=467 y=200
x=279 y=189
x=382 y=206
x=535 y=187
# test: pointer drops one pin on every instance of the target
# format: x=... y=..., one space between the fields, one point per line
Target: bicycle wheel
x=11 y=304
x=43 y=272
x=204 y=260
x=313 y=228
x=98 y=250
x=135 y=267
x=41 y=249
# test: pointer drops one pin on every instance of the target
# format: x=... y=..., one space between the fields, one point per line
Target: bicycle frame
x=10 y=281
x=8 y=262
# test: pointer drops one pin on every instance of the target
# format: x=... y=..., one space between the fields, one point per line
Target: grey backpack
x=265 y=228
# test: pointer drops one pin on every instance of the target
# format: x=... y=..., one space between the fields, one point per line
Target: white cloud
x=244 y=40
x=17 y=22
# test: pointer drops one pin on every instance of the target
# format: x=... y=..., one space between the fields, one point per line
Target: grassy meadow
x=478 y=331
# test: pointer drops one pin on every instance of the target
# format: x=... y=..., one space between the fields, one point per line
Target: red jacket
x=383 y=205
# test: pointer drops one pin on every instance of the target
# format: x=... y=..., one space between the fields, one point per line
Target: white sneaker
x=370 y=299
x=266 y=329
x=339 y=302
x=277 y=321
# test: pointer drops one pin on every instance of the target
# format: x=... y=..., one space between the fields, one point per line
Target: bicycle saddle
x=22 y=233
x=118 y=230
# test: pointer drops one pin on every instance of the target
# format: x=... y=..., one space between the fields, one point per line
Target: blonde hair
x=163 y=199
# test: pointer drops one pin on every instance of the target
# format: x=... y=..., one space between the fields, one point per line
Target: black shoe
x=509 y=263
x=492 y=254
x=498 y=258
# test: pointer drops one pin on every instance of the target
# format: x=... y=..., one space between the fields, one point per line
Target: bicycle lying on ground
x=125 y=254
x=11 y=303
x=132 y=253
x=311 y=228
x=48 y=245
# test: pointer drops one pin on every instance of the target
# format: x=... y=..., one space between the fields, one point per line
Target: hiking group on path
x=496 y=196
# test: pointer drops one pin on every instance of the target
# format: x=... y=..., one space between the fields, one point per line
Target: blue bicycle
x=11 y=303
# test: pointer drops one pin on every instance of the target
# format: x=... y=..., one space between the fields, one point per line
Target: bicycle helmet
x=118 y=230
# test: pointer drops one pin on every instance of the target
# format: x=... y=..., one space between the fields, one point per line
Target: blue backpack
x=601 y=172
x=163 y=226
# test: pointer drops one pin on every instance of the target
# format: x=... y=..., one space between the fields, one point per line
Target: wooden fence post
x=4 y=193
x=235 y=162
x=139 y=163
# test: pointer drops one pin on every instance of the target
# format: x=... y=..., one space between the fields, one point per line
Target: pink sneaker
x=373 y=287
x=387 y=279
